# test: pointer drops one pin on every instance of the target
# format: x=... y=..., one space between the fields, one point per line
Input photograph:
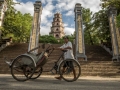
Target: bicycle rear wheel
x=22 y=68
x=70 y=70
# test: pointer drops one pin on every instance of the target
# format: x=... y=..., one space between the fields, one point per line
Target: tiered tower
x=57 y=29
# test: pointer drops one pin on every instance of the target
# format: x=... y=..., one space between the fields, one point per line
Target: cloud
x=60 y=5
x=43 y=1
x=69 y=13
x=47 y=13
x=94 y=5
x=44 y=30
x=25 y=7
x=17 y=0
x=66 y=7
x=68 y=30
x=65 y=24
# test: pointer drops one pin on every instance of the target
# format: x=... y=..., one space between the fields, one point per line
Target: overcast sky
x=50 y=7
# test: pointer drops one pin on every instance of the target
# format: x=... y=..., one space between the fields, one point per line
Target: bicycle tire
x=37 y=73
x=22 y=68
x=72 y=70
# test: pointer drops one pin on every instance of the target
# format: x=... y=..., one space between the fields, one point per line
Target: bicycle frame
x=55 y=67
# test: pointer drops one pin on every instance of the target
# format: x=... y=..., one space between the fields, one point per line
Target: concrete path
x=50 y=83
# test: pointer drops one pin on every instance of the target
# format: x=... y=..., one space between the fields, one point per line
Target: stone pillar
x=79 y=38
x=115 y=34
x=3 y=8
x=0 y=34
x=35 y=32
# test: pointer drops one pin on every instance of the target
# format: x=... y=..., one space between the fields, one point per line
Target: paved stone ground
x=50 y=83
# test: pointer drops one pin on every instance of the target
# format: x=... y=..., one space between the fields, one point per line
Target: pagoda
x=57 y=28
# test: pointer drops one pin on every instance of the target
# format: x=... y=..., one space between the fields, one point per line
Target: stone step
x=99 y=61
x=100 y=74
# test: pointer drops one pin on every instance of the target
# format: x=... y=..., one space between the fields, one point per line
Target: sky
x=50 y=7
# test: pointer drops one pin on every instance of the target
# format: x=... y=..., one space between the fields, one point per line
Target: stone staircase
x=100 y=68
x=11 y=52
x=99 y=61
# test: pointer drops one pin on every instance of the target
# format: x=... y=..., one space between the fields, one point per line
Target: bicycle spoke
x=69 y=70
x=37 y=73
x=22 y=68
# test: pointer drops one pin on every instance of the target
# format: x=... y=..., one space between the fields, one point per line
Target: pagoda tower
x=57 y=29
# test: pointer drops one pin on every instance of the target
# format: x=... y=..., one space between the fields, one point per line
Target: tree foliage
x=118 y=20
x=18 y=24
x=105 y=6
x=87 y=17
x=96 y=28
x=53 y=40
x=48 y=39
x=71 y=38
x=113 y=3
x=101 y=25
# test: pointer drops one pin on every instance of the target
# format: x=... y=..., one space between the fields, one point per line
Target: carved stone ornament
x=80 y=43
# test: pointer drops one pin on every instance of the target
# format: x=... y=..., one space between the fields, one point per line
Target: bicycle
x=30 y=66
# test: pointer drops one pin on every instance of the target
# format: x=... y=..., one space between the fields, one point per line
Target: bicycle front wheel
x=22 y=68
x=70 y=70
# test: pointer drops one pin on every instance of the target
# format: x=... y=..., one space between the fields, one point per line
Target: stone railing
x=4 y=43
x=107 y=46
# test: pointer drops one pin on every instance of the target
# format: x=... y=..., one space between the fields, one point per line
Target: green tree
x=18 y=25
x=47 y=39
x=10 y=8
x=114 y=3
x=101 y=25
x=118 y=20
x=10 y=5
x=71 y=38
x=87 y=16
